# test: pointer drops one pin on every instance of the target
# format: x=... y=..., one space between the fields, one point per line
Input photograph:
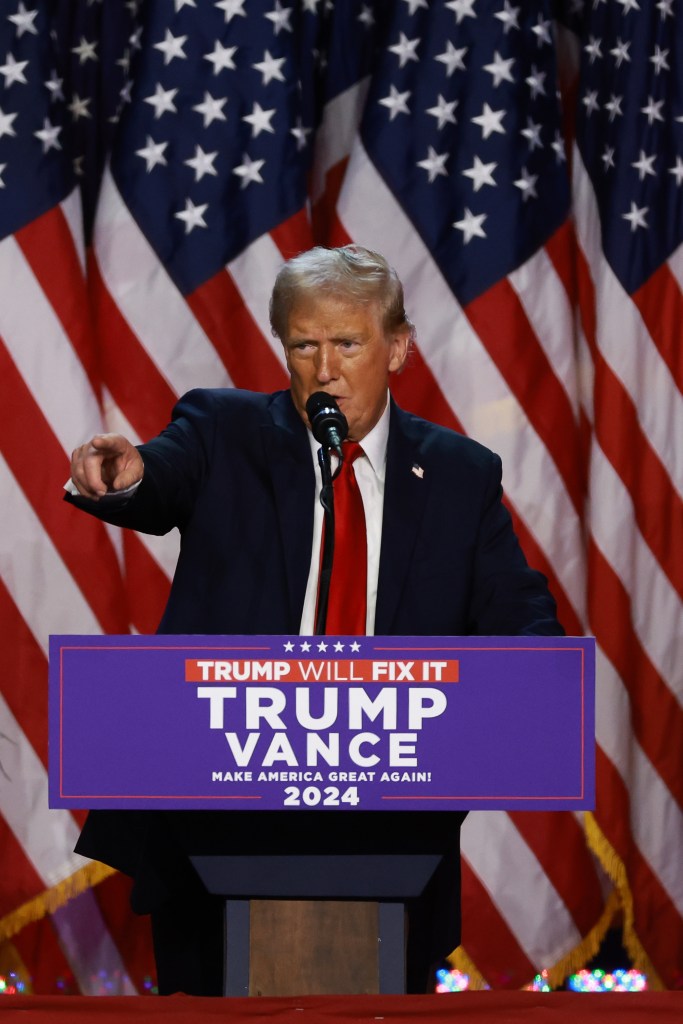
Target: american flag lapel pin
x=418 y=471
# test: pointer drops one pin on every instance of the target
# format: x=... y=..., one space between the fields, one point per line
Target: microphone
x=328 y=422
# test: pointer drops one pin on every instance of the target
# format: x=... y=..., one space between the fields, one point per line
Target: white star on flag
x=211 y=109
x=153 y=153
x=221 y=58
x=434 y=163
x=172 y=47
x=249 y=170
x=471 y=225
x=192 y=216
x=202 y=163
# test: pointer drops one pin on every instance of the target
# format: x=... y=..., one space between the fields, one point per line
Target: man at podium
x=424 y=546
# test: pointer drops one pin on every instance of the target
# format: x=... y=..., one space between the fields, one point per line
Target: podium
x=308 y=732
x=359 y=899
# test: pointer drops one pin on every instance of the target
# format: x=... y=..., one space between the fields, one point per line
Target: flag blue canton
x=66 y=71
x=630 y=131
x=463 y=123
x=217 y=143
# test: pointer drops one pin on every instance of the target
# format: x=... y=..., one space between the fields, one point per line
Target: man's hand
x=108 y=462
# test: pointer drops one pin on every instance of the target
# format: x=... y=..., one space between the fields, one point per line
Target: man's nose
x=326 y=364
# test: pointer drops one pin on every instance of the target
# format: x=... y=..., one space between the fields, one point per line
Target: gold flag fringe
x=11 y=963
x=569 y=964
x=54 y=898
x=616 y=869
x=460 y=960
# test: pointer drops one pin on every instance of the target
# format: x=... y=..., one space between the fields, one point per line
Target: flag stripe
x=220 y=310
x=28 y=433
x=62 y=282
x=501 y=324
x=137 y=387
x=660 y=303
x=488 y=939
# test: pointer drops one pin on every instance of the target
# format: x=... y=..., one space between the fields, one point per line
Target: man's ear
x=400 y=342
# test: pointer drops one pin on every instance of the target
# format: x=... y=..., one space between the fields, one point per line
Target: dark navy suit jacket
x=233 y=472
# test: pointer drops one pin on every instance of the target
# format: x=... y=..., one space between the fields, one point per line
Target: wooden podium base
x=314 y=947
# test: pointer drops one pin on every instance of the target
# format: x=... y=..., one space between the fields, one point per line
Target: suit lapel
x=288 y=457
x=405 y=494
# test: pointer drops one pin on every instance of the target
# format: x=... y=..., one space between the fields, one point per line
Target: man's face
x=339 y=347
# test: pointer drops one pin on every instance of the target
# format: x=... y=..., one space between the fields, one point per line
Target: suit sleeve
x=175 y=466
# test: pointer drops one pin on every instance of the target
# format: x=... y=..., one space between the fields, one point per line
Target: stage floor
x=470 y=1007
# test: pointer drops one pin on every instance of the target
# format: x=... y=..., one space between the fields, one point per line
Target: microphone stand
x=327 y=502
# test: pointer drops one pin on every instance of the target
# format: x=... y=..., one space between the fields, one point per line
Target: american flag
x=158 y=161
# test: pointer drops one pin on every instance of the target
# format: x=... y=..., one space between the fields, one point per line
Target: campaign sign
x=276 y=722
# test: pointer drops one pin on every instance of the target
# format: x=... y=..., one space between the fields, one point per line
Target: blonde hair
x=351 y=272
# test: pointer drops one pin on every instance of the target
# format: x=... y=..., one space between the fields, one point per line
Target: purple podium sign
x=276 y=722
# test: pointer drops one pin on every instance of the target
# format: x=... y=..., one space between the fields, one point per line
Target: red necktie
x=346 y=610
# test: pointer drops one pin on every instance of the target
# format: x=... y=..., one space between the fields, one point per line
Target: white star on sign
x=322 y=646
x=153 y=153
x=339 y=647
x=289 y=646
x=355 y=646
x=471 y=225
x=221 y=57
x=305 y=646
x=162 y=101
x=636 y=217
x=211 y=108
x=202 y=163
x=192 y=216
x=434 y=163
x=481 y=174
x=260 y=119
x=249 y=171
x=172 y=47
x=490 y=121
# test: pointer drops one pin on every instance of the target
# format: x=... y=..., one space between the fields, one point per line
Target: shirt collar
x=374 y=444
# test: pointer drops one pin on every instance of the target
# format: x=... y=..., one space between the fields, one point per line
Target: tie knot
x=352 y=451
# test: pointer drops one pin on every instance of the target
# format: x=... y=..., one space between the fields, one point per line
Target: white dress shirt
x=370 y=470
